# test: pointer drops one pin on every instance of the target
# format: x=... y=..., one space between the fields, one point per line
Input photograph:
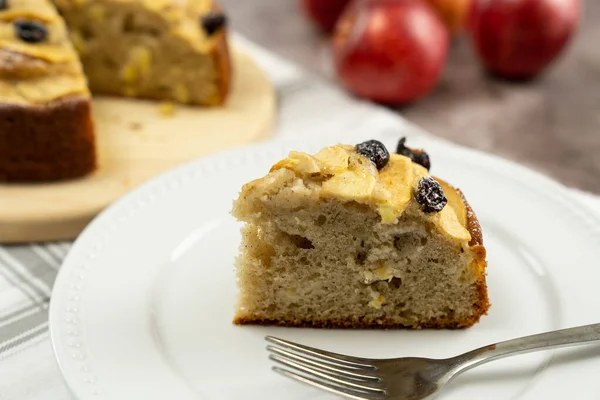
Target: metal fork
x=408 y=378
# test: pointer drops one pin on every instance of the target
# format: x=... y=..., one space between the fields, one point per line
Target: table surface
x=551 y=124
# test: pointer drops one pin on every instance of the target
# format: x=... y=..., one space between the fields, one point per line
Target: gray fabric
x=33 y=277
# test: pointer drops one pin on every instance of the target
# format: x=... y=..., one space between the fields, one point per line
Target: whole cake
x=154 y=49
x=355 y=237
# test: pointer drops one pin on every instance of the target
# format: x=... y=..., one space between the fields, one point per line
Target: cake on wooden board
x=153 y=49
x=353 y=237
x=46 y=129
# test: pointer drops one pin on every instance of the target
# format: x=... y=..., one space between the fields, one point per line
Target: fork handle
x=527 y=344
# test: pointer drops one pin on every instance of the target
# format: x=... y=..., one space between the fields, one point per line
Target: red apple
x=390 y=51
x=518 y=39
x=324 y=13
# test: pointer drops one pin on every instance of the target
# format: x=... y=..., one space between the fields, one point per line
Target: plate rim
x=541 y=183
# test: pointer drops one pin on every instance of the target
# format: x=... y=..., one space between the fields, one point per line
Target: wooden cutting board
x=137 y=142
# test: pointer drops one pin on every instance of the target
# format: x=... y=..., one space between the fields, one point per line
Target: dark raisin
x=421 y=158
x=30 y=31
x=417 y=156
x=430 y=195
x=3 y=4
x=213 y=21
x=375 y=151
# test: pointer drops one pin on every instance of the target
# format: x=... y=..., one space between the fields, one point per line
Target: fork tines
x=348 y=376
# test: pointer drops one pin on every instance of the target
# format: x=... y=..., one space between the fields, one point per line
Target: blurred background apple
x=518 y=39
x=324 y=13
x=394 y=51
x=390 y=51
x=512 y=118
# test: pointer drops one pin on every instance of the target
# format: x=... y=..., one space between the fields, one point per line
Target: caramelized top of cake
x=38 y=64
x=387 y=183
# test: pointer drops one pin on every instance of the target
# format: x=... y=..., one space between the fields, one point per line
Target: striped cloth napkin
x=27 y=272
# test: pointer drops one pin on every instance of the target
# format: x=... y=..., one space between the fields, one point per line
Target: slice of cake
x=46 y=130
x=152 y=49
x=354 y=237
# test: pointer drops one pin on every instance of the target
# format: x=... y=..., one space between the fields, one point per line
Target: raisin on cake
x=153 y=49
x=46 y=130
x=354 y=237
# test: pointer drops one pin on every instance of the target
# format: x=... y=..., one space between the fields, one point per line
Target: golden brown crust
x=383 y=323
x=473 y=225
x=222 y=60
x=49 y=142
x=224 y=68
x=483 y=304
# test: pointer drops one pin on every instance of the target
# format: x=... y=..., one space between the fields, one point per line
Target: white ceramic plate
x=143 y=304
